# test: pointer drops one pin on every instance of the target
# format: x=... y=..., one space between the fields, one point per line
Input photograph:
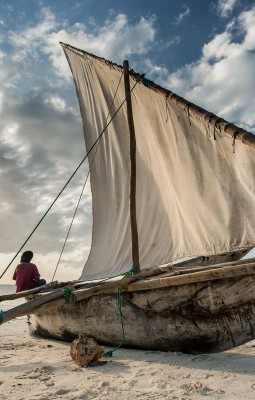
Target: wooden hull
x=200 y=317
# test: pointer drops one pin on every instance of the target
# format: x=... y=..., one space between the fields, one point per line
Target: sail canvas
x=195 y=195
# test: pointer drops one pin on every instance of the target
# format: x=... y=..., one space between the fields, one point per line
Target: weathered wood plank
x=25 y=293
x=129 y=284
x=28 y=307
x=201 y=317
x=201 y=276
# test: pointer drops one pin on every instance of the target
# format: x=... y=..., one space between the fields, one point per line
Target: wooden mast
x=133 y=221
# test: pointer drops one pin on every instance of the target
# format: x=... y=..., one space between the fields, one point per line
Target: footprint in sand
x=49 y=384
x=104 y=384
x=61 y=392
x=43 y=374
x=44 y=378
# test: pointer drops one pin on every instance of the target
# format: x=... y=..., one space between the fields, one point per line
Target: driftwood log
x=85 y=350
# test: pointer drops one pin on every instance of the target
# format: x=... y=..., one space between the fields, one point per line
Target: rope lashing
x=1 y=317
x=131 y=272
x=188 y=112
x=146 y=82
x=109 y=353
x=70 y=297
x=234 y=138
x=218 y=126
x=210 y=115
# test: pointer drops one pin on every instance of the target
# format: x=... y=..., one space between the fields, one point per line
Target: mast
x=133 y=221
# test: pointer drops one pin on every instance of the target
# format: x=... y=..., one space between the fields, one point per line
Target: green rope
x=131 y=272
x=127 y=274
x=110 y=352
x=1 y=317
x=70 y=297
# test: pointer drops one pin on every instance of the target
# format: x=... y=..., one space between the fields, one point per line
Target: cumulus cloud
x=41 y=133
x=30 y=37
x=222 y=80
x=40 y=127
x=116 y=40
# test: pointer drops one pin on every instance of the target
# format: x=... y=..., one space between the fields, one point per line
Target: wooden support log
x=14 y=296
x=27 y=308
x=181 y=271
x=25 y=293
x=201 y=276
x=228 y=263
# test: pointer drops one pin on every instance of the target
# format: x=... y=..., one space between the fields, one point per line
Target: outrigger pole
x=133 y=221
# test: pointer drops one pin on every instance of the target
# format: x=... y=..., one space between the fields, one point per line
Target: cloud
x=166 y=44
x=225 y=7
x=37 y=155
x=41 y=139
x=222 y=80
x=180 y=17
x=115 y=40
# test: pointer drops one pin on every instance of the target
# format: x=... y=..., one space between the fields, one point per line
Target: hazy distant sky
x=203 y=50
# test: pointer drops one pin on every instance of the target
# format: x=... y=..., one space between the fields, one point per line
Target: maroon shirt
x=25 y=275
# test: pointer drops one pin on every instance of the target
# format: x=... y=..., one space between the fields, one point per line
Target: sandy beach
x=38 y=369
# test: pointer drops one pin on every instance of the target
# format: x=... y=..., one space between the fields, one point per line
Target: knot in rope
x=146 y=82
x=109 y=354
x=70 y=297
x=131 y=272
x=234 y=138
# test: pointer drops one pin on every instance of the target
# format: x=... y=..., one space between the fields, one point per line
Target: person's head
x=26 y=256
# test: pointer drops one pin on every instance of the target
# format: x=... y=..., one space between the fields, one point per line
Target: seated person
x=26 y=274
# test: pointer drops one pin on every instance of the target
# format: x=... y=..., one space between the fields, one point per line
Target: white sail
x=195 y=196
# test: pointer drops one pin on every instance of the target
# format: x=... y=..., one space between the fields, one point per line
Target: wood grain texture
x=197 y=317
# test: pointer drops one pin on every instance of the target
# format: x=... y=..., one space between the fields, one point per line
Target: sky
x=203 y=50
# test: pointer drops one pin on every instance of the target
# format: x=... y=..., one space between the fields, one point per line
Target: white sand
x=37 y=369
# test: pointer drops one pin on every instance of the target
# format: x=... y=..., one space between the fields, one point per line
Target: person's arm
x=36 y=275
x=14 y=275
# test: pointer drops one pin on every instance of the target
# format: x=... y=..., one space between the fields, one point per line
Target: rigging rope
x=70 y=297
x=71 y=177
x=127 y=274
x=86 y=179
x=110 y=352
x=70 y=227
